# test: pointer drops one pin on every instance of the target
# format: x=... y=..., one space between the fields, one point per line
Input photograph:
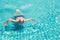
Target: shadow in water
x=17 y=27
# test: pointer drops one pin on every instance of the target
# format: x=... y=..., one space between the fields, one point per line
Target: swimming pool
x=45 y=12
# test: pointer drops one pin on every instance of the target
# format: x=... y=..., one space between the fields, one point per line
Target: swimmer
x=19 y=18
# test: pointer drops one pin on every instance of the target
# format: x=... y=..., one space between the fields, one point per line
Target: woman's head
x=17 y=10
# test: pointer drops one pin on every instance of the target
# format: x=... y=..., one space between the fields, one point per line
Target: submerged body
x=19 y=18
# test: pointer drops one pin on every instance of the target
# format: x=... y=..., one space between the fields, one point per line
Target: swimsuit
x=18 y=16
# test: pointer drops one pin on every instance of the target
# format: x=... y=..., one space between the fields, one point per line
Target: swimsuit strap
x=19 y=16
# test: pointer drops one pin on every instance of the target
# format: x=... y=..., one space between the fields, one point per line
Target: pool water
x=45 y=12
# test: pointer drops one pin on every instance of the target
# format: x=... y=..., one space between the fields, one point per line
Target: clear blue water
x=45 y=12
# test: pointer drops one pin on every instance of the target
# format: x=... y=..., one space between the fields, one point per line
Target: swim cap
x=17 y=10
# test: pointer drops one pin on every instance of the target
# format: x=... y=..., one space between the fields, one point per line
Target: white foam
x=55 y=36
x=10 y=6
x=54 y=28
x=45 y=39
x=31 y=36
x=26 y=6
x=51 y=38
x=7 y=32
x=59 y=36
x=3 y=38
x=25 y=39
x=57 y=19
